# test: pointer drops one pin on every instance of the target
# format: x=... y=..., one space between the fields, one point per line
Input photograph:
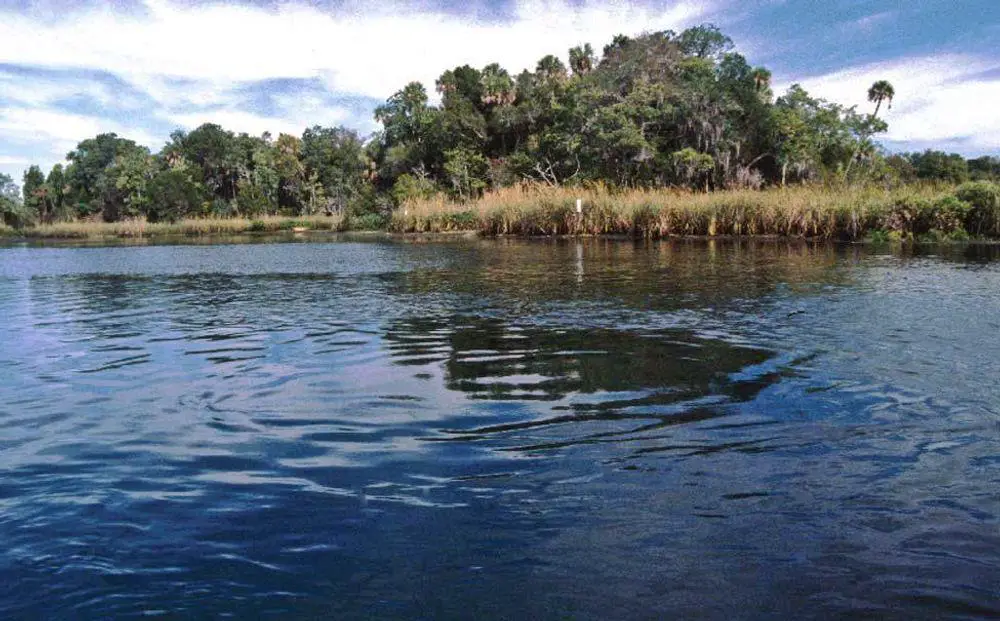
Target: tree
x=11 y=212
x=497 y=86
x=123 y=188
x=940 y=166
x=174 y=194
x=655 y=109
x=692 y=166
x=215 y=152
x=258 y=182
x=337 y=158
x=55 y=185
x=293 y=194
x=878 y=92
x=85 y=176
x=550 y=68
x=881 y=91
x=35 y=193
x=466 y=171
x=985 y=168
x=705 y=41
x=761 y=78
x=404 y=115
x=582 y=60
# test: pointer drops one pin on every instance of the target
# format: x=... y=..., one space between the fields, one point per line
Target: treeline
x=206 y=172
x=940 y=166
x=658 y=110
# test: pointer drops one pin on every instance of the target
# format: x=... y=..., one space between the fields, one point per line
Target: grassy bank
x=847 y=213
x=930 y=213
x=140 y=228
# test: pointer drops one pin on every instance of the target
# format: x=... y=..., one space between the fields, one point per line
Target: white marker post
x=579 y=205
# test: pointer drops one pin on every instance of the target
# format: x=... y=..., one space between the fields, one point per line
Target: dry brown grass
x=140 y=228
x=542 y=210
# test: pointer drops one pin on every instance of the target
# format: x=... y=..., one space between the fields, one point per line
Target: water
x=499 y=429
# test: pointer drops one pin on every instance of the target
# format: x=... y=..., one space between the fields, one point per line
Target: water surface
x=499 y=429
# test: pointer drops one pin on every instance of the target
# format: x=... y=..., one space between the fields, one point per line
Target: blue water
x=500 y=429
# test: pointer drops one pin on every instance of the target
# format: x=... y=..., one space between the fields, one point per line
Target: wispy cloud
x=868 y=23
x=44 y=136
x=369 y=52
x=255 y=124
x=946 y=99
x=186 y=64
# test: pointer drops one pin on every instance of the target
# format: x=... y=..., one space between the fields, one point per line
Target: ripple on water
x=402 y=430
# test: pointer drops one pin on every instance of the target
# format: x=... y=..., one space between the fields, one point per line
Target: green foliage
x=212 y=150
x=582 y=60
x=939 y=166
x=986 y=168
x=916 y=217
x=656 y=110
x=366 y=222
x=11 y=209
x=705 y=41
x=55 y=187
x=173 y=194
x=86 y=179
x=949 y=215
x=984 y=214
x=618 y=120
x=34 y=193
x=466 y=172
x=878 y=236
x=691 y=166
x=124 y=185
x=409 y=187
x=879 y=92
x=335 y=157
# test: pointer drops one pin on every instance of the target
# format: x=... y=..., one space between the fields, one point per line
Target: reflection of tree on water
x=584 y=375
x=664 y=275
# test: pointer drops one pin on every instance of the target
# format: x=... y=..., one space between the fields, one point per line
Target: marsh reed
x=542 y=210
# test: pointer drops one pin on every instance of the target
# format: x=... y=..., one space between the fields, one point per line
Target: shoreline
x=903 y=215
x=308 y=236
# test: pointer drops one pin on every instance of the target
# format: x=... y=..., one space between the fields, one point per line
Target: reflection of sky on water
x=414 y=429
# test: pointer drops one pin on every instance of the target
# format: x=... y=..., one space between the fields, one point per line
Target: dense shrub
x=984 y=199
x=366 y=222
x=911 y=216
x=908 y=215
x=948 y=214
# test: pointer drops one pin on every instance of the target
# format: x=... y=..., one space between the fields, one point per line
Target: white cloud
x=369 y=52
x=939 y=99
x=40 y=90
x=868 y=23
x=255 y=125
x=20 y=123
x=50 y=135
x=187 y=58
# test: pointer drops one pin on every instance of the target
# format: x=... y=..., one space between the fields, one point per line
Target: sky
x=143 y=68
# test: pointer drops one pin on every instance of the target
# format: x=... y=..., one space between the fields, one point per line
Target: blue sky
x=142 y=68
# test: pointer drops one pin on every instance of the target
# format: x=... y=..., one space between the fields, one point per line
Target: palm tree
x=881 y=91
x=761 y=78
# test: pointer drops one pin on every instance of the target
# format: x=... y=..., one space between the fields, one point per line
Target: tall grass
x=140 y=228
x=542 y=210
